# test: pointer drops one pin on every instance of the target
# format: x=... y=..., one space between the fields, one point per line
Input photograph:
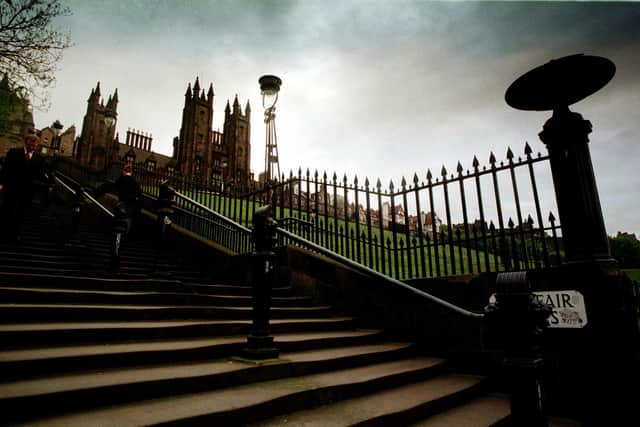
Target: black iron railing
x=211 y=225
x=483 y=219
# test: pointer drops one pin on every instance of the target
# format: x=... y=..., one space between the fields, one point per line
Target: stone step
x=485 y=410
x=75 y=296
x=68 y=312
x=404 y=404
x=37 y=361
x=24 y=279
x=26 y=335
x=81 y=262
x=360 y=368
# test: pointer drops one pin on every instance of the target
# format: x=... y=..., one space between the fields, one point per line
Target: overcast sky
x=382 y=89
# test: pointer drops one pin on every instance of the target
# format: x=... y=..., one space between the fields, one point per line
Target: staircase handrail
x=84 y=193
x=368 y=271
x=210 y=211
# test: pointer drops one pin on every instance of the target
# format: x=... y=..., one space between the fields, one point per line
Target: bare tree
x=30 y=47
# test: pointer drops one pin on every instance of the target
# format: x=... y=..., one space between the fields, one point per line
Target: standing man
x=22 y=174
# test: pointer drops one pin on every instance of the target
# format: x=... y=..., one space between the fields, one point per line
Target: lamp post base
x=260 y=347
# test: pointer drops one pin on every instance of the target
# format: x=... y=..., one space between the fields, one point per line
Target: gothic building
x=208 y=155
x=218 y=158
x=97 y=147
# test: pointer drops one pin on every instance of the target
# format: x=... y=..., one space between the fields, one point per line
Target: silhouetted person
x=128 y=191
x=22 y=174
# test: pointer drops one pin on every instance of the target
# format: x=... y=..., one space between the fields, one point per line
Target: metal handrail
x=366 y=270
x=219 y=217
x=84 y=193
x=337 y=257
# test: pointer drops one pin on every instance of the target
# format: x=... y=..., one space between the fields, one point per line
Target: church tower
x=97 y=146
x=194 y=148
x=237 y=142
x=220 y=158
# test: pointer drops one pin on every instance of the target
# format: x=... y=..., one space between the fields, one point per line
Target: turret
x=247 y=110
x=210 y=94
x=196 y=88
x=187 y=95
x=114 y=100
x=236 y=105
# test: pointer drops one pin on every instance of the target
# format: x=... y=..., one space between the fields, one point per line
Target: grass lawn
x=634 y=274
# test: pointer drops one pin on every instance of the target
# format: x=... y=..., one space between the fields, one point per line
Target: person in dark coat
x=22 y=174
x=125 y=211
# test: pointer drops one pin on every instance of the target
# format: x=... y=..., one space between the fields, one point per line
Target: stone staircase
x=83 y=348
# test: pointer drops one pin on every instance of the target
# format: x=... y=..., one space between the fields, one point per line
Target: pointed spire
x=115 y=96
x=247 y=109
x=227 y=109
x=196 y=87
x=202 y=96
x=527 y=149
x=97 y=92
x=492 y=160
x=236 y=104
x=188 y=92
x=210 y=93
x=509 y=154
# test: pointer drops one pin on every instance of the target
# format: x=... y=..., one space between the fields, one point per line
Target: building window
x=151 y=166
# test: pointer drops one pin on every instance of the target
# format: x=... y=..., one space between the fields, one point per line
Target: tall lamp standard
x=109 y=121
x=269 y=88
x=57 y=130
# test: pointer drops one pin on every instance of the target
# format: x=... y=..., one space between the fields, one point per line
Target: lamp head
x=269 y=88
x=57 y=127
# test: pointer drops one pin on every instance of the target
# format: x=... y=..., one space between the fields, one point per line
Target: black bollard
x=515 y=322
x=260 y=344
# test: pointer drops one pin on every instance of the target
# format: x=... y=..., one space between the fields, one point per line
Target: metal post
x=76 y=213
x=515 y=321
x=121 y=224
x=583 y=232
x=164 y=214
x=259 y=343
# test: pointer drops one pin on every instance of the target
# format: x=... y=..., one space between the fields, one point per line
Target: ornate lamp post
x=269 y=88
x=110 y=161
x=555 y=86
x=57 y=130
